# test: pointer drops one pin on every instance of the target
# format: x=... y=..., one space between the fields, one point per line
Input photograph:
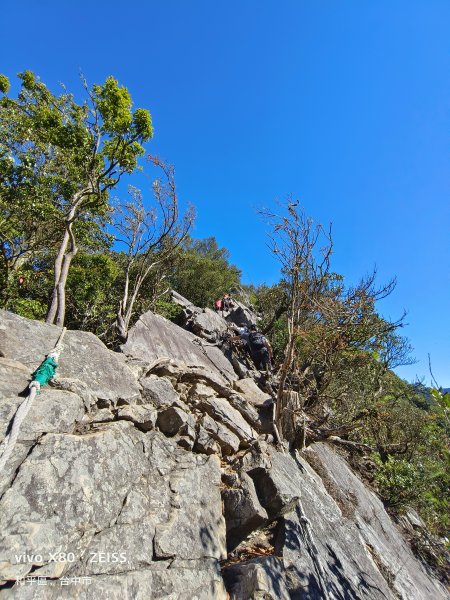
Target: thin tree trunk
x=51 y=315
x=63 y=259
x=121 y=324
x=61 y=290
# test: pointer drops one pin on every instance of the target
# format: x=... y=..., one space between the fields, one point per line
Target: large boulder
x=243 y=511
x=241 y=315
x=154 y=337
x=85 y=358
x=204 y=322
x=334 y=536
x=358 y=540
x=53 y=411
x=167 y=580
x=112 y=502
x=251 y=392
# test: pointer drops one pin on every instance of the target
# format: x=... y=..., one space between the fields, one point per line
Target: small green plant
x=399 y=481
x=168 y=310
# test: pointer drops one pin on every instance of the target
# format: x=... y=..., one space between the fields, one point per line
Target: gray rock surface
x=252 y=393
x=242 y=509
x=144 y=416
x=159 y=391
x=204 y=322
x=257 y=579
x=241 y=314
x=84 y=356
x=221 y=410
x=227 y=440
x=154 y=337
x=119 y=489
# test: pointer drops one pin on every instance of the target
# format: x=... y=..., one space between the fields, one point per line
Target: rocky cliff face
x=152 y=474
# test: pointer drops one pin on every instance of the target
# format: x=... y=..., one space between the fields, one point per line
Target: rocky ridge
x=152 y=473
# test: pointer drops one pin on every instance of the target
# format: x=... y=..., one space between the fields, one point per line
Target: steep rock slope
x=150 y=474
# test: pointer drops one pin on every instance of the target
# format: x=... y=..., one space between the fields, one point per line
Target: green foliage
x=202 y=272
x=92 y=292
x=114 y=105
x=168 y=310
x=28 y=308
x=58 y=161
x=399 y=481
x=4 y=84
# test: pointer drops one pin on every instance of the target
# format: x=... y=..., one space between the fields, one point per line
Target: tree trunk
x=61 y=289
x=289 y=416
x=121 y=320
x=51 y=314
x=57 y=309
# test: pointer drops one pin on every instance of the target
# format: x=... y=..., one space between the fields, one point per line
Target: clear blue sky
x=342 y=103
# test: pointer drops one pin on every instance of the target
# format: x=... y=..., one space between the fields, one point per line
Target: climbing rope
x=43 y=374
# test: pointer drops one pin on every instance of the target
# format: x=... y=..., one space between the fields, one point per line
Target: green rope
x=46 y=371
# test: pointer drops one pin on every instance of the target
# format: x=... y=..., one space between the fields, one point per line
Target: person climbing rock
x=218 y=305
x=260 y=349
x=227 y=303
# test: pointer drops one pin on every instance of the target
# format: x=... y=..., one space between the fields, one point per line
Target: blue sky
x=341 y=103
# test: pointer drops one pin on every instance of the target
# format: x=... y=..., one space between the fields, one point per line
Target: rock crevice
x=152 y=474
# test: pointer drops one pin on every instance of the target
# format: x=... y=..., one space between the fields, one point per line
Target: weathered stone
x=160 y=581
x=84 y=356
x=158 y=390
x=154 y=337
x=195 y=528
x=204 y=443
x=142 y=415
x=181 y=301
x=246 y=409
x=241 y=315
x=200 y=391
x=14 y=378
x=204 y=322
x=228 y=442
x=114 y=550
x=243 y=511
x=207 y=324
x=51 y=411
x=79 y=483
x=258 y=579
x=278 y=485
x=68 y=486
x=364 y=544
x=171 y=420
x=115 y=491
x=222 y=411
x=102 y=415
x=252 y=393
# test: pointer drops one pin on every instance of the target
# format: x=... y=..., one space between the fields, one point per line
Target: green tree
x=58 y=161
x=93 y=289
x=202 y=272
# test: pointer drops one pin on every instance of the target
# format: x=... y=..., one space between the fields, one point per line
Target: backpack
x=257 y=341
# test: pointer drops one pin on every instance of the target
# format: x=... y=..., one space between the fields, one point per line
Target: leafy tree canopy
x=202 y=271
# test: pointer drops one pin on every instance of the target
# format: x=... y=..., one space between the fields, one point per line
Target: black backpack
x=257 y=341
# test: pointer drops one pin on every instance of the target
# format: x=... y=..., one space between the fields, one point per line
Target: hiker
x=260 y=349
x=242 y=335
x=218 y=305
x=226 y=302
x=243 y=332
